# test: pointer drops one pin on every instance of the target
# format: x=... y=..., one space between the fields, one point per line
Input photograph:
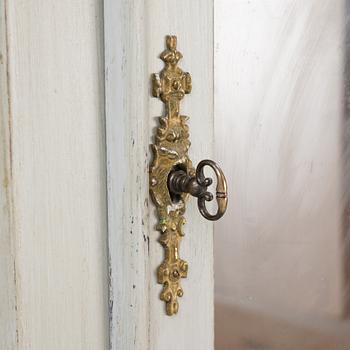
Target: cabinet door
x=53 y=227
x=134 y=38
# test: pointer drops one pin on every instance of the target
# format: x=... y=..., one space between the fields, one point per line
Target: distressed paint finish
x=8 y=324
x=134 y=37
x=127 y=121
x=56 y=215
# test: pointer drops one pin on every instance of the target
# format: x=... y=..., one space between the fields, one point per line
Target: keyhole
x=175 y=197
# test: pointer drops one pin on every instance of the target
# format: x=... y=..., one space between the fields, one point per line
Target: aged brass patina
x=179 y=182
x=172 y=176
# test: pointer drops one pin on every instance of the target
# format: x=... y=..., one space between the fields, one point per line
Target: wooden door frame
x=8 y=320
x=126 y=94
x=53 y=225
x=134 y=38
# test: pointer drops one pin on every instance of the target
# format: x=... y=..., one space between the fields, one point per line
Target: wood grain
x=55 y=72
x=8 y=323
x=127 y=135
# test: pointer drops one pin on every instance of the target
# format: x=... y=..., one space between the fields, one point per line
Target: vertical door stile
x=8 y=323
x=127 y=140
x=134 y=38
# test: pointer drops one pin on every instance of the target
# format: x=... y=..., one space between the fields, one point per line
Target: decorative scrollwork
x=170 y=151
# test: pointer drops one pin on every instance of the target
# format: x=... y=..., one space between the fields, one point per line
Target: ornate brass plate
x=170 y=149
x=172 y=177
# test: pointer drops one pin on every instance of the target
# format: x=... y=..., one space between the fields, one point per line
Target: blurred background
x=282 y=110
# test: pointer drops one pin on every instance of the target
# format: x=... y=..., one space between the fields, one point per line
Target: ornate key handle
x=221 y=190
x=179 y=182
x=172 y=177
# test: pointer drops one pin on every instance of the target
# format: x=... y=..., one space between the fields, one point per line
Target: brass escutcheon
x=172 y=177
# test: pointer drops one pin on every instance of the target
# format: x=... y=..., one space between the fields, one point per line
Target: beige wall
x=279 y=137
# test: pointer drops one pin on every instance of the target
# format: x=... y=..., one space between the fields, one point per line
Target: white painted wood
x=127 y=138
x=134 y=38
x=57 y=168
x=192 y=22
x=279 y=91
x=7 y=255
